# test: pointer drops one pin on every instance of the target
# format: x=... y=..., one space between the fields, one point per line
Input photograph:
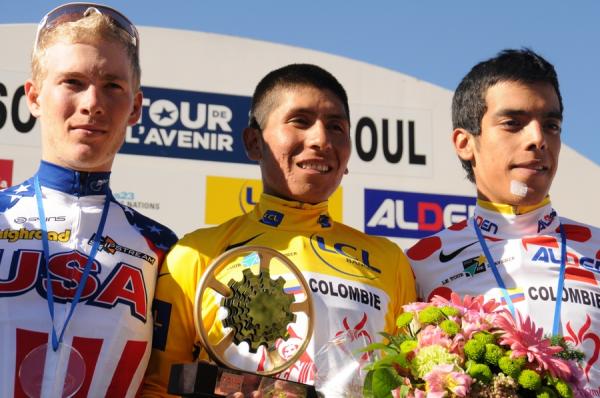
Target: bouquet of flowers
x=471 y=348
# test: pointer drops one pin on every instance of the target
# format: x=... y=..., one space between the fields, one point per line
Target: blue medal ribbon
x=88 y=266
x=502 y=286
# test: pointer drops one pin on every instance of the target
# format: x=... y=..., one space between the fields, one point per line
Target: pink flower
x=415 y=307
x=443 y=378
x=420 y=394
x=433 y=335
x=525 y=339
x=578 y=381
x=478 y=314
x=469 y=304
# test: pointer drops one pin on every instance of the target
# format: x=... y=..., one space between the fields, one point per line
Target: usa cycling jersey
x=526 y=250
x=358 y=282
x=111 y=326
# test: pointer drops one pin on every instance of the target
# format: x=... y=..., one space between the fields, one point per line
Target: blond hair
x=91 y=28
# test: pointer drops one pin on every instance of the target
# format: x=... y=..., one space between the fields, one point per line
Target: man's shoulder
x=378 y=242
x=424 y=248
x=10 y=196
x=580 y=232
x=159 y=234
x=212 y=237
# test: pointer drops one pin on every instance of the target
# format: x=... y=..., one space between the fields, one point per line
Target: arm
x=175 y=339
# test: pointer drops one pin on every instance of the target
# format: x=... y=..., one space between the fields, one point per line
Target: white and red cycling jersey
x=526 y=249
x=111 y=326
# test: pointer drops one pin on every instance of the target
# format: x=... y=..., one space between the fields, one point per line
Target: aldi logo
x=411 y=214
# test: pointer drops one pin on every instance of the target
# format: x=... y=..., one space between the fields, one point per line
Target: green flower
x=430 y=356
x=450 y=327
x=480 y=372
x=431 y=315
x=450 y=311
x=485 y=337
x=545 y=392
x=474 y=350
x=563 y=389
x=408 y=346
x=404 y=319
x=492 y=354
x=510 y=367
x=530 y=380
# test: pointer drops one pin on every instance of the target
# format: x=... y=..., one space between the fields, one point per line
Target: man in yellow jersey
x=299 y=132
x=507 y=116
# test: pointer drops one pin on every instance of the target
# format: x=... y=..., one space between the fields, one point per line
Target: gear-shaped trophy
x=253 y=313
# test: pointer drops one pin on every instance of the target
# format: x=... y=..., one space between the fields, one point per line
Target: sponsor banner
x=190 y=125
x=413 y=215
x=392 y=141
x=228 y=197
x=6 y=173
x=130 y=199
x=15 y=119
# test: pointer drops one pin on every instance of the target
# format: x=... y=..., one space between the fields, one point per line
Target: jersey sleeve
x=404 y=291
x=175 y=339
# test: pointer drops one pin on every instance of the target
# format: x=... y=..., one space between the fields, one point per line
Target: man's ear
x=464 y=144
x=252 y=143
x=32 y=94
x=134 y=116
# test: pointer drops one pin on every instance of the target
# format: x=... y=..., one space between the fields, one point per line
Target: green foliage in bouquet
x=471 y=348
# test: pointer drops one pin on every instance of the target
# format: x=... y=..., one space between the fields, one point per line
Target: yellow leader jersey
x=359 y=282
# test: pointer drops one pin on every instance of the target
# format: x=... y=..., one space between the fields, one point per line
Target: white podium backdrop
x=183 y=163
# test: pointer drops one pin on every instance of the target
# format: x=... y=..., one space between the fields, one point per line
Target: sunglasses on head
x=71 y=12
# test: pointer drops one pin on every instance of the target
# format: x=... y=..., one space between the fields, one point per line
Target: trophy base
x=206 y=380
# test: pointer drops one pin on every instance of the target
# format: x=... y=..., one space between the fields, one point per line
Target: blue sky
x=436 y=41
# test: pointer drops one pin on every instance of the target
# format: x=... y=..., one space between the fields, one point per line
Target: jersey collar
x=291 y=215
x=503 y=221
x=78 y=183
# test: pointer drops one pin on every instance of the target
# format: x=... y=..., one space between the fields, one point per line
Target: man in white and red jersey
x=77 y=269
x=299 y=133
x=507 y=116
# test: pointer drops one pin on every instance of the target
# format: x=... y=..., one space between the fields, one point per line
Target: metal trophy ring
x=258 y=309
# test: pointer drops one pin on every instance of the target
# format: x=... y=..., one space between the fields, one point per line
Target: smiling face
x=519 y=143
x=304 y=147
x=85 y=102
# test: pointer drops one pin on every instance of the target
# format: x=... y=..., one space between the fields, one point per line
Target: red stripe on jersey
x=581 y=275
x=424 y=248
x=90 y=351
x=27 y=341
x=577 y=233
x=128 y=364
x=545 y=241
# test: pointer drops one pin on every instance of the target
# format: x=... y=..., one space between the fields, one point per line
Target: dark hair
x=290 y=76
x=468 y=102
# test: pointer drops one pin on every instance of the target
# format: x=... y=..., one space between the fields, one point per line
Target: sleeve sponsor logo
x=228 y=197
x=413 y=215
x=189 y=125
